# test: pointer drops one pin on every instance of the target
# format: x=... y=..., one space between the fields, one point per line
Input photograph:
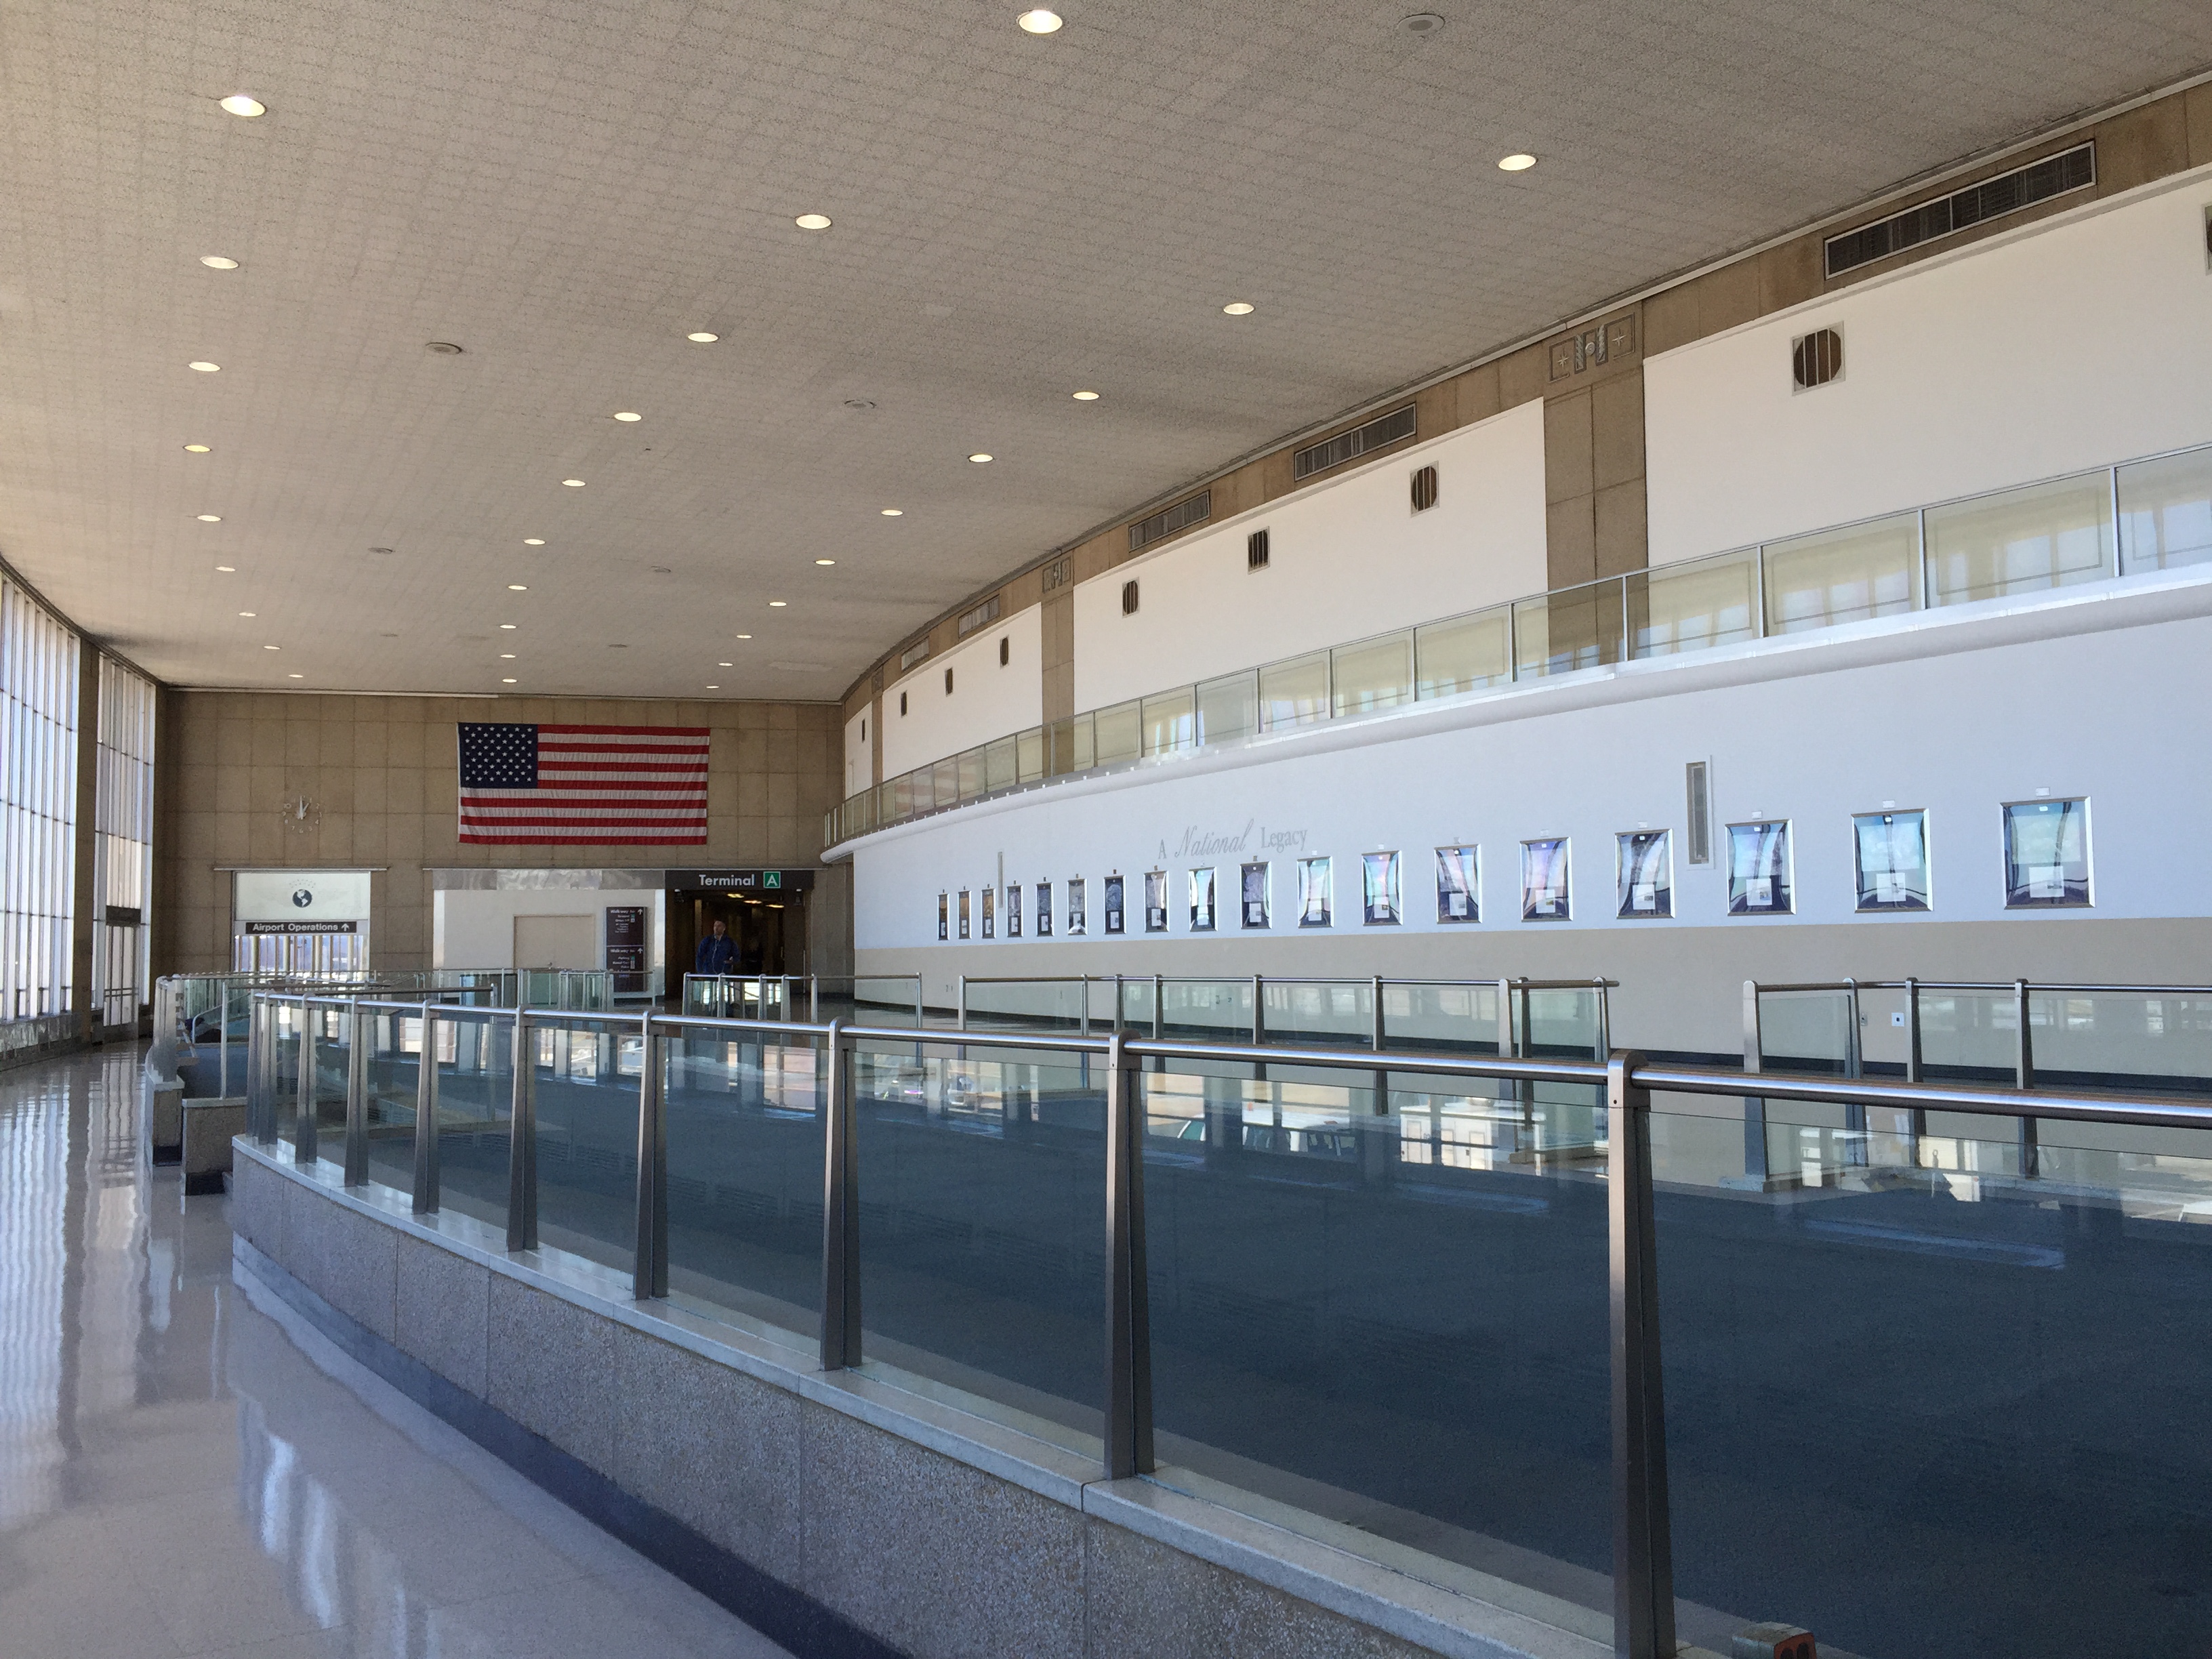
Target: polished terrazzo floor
x=186 y=1469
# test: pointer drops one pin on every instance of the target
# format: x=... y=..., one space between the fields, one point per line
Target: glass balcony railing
x=2141 y=516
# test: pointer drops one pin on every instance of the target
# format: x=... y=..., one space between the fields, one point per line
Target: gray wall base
x=837 y=1512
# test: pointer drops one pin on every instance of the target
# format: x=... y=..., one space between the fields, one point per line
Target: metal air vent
x=982 y=616
x=918 y=652
x=1425 y=489
x=1977 y=205
x=1181 y=516
x=1390 y=429
x=1255 y=550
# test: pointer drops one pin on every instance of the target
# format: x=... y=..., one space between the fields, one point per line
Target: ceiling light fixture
x=1086 y=397
x=775 y=604
x=516 y=588
x=826 y=561
x=534 y=540
x=506 y=682
x=1238 y=309
x=216 y=262
x=894 y=512
x=713 y=688
x=573 y=484
x=211 y=518
x=813 y=222
x=204 y=368
x=1421 y=24
x=195 y=449
x=228 y=569
x=725 y=664
x=272 y=647
x=745 y=636
x=628 y=415
x=703 y=337
x=507 y=656
x=1519 y=161
x=979 y=457
x=1040 y=21
x=860 y=404
x=509 y=627
x=246 y=613
x=441 y=348
x=247 y=109
x=295 y=676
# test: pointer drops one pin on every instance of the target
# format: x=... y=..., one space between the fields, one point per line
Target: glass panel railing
x=887 y=999
x=1927 y=1312
x=1582 y=627
x=283 y=1078
x=1319 y=1343
x=1028 y=756
x=1327 y=1015
x=1844 y=575
x=742 y=1113
x=1969 y=1035
x=2166 y=511
x=392 y=1063
x=1171 y=722
x=1026 y=1004
x=1001 y=765
x=1372 y=675
x=1532 y=638
x=2121 y=1040
x=982 y=1262
x=333 y=1029
x=1695 y=606
x=904 y=802
x=1206 y=1010
x=1463 y=1018
x=1464 y=653
x=1229 y=707
x=971 y=775
x=587 y=1097
x=475 y=1057
x=944 y=774
x=1120 y=732
x=1808 y=1030
x=2021 y=541
x=1294 y=692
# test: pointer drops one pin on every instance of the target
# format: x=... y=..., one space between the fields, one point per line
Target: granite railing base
x=837 y=1513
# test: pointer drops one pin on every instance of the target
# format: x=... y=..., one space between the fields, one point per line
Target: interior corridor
x=187 y=1469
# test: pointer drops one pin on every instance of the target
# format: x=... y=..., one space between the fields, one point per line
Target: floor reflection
x=184 y=1468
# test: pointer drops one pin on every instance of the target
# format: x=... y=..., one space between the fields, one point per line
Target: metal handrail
x=1643 y=1575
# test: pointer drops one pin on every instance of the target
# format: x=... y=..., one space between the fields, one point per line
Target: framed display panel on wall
x=1381 y=900
x=1075 y=916
x=1044 y=909
x=1013 y=910
x=1890 y=850
x=1760 y=877
x=1252 y=882
x=1313 y=893
x=944 y=917
x=1115 y=909
x=1201 y=901
x=1156 y=900
x=1459 y=883
x=2046 y=846
x=1545 y=894
x=965 y=902
x=990 y=912
x=1644 y=874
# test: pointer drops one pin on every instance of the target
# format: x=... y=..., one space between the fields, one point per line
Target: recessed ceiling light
x=1238 y=309
x=713 y=688
x=745 y=636
x=534 y=540
x=295 y=676
x=246 y=613
x=441 y=348
x=195 y=449
x=662 y=570
x=507 y=656
x=211 y=518
x=272 y=647
x=725 y=664
x=628 y=415
x=860 y=404
x=979 y=457
x=1421 y=23
x=826 y=561
x=703 y=337
x=509 y=627
x=1040 y=21
x=1519 y=161
x=573 y=484
x=228 y=569
x=813 y=222
x=516 y=588
x=204 y=368
x=247 y=109
x=775 y=604
x=216 y=262
x=894 y=512
x=1086 y=397
x=506 y=682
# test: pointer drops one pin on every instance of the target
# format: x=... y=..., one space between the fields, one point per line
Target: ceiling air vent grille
x=1993 y=198
x=1181 y=516
x=982 y=616
x=1351 y=446
x=918 y=652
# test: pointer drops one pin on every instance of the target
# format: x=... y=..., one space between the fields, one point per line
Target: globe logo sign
x=303 y=898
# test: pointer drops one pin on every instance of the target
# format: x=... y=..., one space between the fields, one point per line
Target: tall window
x=37 y=806
x=122 y=833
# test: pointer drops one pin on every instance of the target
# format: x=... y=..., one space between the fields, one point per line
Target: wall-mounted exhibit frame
x=1252 y=885
x=1077 y=921
x=1202 y=898
x=1013 y=910
x=1644 y=875
x=1044 y=909
x=1156 y=900
x=1545 y=895
x=1314 y=895
x=1889 y=851
x=1381 y=897
x=1459 y=883
x=1116 y=904
x=2046 y=850
x=1761 y=881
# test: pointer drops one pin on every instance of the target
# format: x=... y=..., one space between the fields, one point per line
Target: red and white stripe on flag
x=589 y=785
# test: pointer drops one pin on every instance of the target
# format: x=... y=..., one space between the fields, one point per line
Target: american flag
x=583 y=785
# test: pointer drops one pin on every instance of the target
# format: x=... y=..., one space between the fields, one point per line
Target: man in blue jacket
x=718 y=951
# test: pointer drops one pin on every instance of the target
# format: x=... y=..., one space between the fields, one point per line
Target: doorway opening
x=769 y=929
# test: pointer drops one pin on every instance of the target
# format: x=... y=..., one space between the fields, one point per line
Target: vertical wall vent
x=1255 y=550
x=1700 y=815
x=1128 y=599
x=1425 y=489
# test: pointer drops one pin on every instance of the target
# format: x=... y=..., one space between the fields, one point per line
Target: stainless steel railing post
x=1754 y=1106
x=1913 y=1063
x=426 y=1181
x=357 y=1102
x=841 y=1208
x=649 y=1269
x=964 y=1003
x=304 y=1146
x=1129 y=1332
x=1642 y=1551
x=1855 y=1118
x=522 y=1143
x=222 y=1041
x=2024 y=1079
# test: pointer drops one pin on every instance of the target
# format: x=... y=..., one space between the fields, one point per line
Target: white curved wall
x=988 y=700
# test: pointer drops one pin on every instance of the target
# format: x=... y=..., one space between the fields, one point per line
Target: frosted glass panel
x=2024 y=541
x=1464 y=653
x=1120 y=732
x=1169 y=722
x=1294 y=693
x=1844 y=575
x=1373 y=674
x=2166 y=511
x=1229 y=708
x=1695 y=606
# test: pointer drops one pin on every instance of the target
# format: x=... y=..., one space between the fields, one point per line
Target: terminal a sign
x=741 y=881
